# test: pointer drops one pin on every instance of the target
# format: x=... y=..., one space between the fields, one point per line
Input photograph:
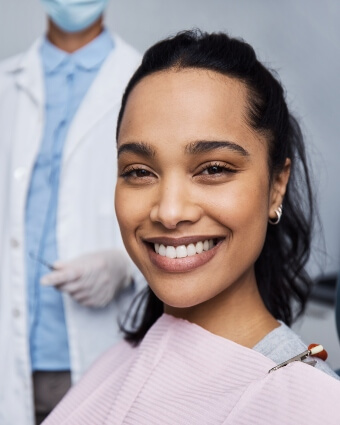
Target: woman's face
x=193 y=195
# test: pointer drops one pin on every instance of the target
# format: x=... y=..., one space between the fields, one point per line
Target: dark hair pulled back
x=280 y=272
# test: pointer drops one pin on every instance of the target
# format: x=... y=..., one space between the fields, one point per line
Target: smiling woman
x=205 y=181
x=209 y=161
x=204 y=128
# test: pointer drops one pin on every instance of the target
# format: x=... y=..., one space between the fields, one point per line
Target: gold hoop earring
x=278 y=213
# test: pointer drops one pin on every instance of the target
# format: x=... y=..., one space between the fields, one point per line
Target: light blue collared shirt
x=67 y=78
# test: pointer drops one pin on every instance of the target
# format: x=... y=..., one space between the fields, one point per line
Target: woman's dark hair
x=280 y=272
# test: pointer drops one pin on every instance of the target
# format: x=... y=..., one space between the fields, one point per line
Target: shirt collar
x=91 y=56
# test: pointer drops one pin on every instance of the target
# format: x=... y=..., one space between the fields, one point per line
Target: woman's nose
x=174 y=205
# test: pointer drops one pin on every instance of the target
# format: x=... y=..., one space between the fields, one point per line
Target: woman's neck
x=238 y=315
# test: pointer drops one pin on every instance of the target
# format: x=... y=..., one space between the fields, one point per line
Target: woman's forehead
x=188 y=96
x=187 y=105
x=181 y=84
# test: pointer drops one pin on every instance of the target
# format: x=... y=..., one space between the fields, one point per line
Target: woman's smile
x=181 y=255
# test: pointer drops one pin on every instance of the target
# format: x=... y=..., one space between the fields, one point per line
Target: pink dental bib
x=182 y=374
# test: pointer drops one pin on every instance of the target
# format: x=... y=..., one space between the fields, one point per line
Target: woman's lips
x=184 y=240
x=181 y=265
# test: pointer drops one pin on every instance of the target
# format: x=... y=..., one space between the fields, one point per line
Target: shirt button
x=14 y=243
x=19 y=173
x=16 y=312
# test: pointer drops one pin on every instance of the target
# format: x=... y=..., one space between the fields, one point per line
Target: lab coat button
x=14 y=243
x=19 y=173
x=16 y=312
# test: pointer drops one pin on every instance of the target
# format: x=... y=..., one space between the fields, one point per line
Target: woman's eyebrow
x=138 y=148
x=202 y=146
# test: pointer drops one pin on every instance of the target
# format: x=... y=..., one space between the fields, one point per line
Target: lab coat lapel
x=28 y=78
x=28 y=74
x=104 y=94
x=27 y=127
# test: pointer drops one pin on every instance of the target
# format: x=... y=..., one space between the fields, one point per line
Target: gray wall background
x=299 y=38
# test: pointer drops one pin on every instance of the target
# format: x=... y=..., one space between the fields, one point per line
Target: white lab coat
x=86 y=218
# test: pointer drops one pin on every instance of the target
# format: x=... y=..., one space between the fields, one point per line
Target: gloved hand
x=92 y=279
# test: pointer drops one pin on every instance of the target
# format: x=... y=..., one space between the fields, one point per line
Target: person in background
x=58 y=107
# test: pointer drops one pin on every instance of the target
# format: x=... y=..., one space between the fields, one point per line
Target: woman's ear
x=278 y=189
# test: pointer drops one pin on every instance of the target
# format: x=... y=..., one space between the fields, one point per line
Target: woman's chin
x=177 y=300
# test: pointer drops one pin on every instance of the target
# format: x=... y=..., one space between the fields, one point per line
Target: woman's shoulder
x=105 y=372
x=283 y=343
x=297 y=393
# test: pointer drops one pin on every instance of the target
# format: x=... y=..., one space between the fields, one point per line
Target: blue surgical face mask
x=74 y=15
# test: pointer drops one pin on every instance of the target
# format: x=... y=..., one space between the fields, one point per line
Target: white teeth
x=199 y=247
x=183 y=251
x=162 y=250
x=170 y=251
x=191 y=249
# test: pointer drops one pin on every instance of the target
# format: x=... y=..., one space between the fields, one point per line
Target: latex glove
x=92 y=279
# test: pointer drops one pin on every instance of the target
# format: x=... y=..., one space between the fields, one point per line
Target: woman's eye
x=140 y=173
x=214 y=169
x=137 y=175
